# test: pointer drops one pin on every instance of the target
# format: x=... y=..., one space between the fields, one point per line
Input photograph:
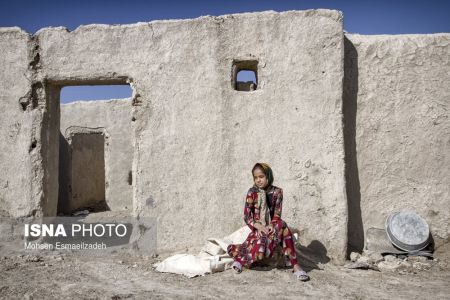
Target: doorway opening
x=91 y=135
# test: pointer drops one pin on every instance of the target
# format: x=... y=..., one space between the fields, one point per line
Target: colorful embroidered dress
x=264 y=207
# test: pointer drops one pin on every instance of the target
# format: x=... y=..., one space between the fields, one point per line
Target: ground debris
x=33 y=258
x=361 y=265
x=100 y=277
x=391 y=263
x=359 y=261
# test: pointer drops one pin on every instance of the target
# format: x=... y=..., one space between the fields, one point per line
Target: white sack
x=212 y=258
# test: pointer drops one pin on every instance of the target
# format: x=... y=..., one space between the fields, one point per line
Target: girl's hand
x=270 y=229
x=261 y=228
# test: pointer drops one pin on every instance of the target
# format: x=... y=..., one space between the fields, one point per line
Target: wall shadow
x=311 y=256
x=355 y=230
x=64 y=177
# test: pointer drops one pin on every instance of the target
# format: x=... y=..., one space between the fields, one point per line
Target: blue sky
x=365 y=17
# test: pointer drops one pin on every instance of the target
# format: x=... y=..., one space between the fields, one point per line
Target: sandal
x=237 y=267
x=301 y=275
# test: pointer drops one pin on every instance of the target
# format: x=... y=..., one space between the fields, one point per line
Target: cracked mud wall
x=197 y=138
x=399 y=98
x=22 y=188
x=15 y=178
x=202 y=137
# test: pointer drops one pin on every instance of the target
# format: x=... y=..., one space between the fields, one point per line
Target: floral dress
x=264 y=207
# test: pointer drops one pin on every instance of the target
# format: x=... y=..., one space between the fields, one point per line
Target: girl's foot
x=300 y=274
x=237 y=267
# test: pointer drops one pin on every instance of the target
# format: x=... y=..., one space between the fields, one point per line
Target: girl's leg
x=253 y=249
x=289 y=251
x=284 y=235
x=234 y=251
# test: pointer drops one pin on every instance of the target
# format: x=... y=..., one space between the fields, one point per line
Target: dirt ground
x=54 y=275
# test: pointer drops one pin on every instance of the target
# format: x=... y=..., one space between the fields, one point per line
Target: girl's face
x=260 y=178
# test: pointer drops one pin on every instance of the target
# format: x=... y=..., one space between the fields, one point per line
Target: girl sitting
x=262 y=213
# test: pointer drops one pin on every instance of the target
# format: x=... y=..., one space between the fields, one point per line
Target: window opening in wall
x=245 y=76
x=95 y=92
x=246 y=80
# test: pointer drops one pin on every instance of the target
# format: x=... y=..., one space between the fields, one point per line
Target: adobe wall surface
x=19 y=186
x=197 y=138
x=398 y=97
x=112 y=119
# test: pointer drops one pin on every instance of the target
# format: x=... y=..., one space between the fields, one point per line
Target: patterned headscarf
x=266 y=170
x=262 y=197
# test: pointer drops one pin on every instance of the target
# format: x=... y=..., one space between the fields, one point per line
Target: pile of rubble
x=402 y=264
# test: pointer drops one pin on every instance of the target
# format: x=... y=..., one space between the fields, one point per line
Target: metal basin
x=408 y=231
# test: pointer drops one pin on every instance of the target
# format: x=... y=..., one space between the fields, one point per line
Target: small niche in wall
x=245 y=75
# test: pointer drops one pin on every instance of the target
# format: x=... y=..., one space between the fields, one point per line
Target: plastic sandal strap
x=237 y=266
x=301 y=275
